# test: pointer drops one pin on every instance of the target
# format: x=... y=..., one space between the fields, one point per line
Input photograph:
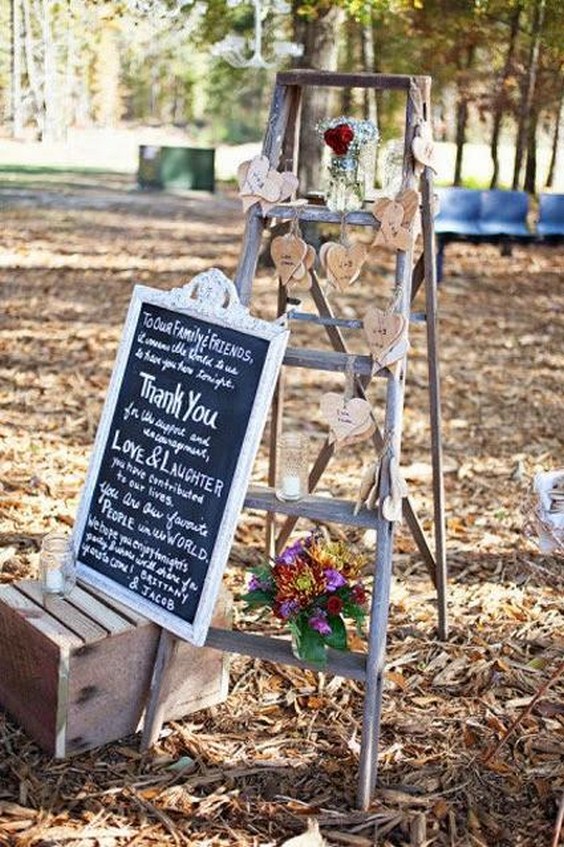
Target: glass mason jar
x=292 y=467
x=57 y=564
x=345 y=189
x=392 y=169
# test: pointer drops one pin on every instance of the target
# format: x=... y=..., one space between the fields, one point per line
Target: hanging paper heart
x=346 y=418
x=343 y=264
x=288 y=253
x=386 y=334
x=424 y=151
x=302 y=276
x=290 y=184
x=259 y=183
x=252 y=176
x=396 y=220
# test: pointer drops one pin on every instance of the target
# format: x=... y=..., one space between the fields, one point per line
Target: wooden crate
x=75 y=673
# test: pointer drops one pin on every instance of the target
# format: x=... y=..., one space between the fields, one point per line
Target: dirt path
x=285 y=744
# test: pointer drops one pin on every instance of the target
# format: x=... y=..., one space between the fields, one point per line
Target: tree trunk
x=531 y=166
x=17 y=109
x=555 y=141
x=32 y=72
x=462 y=112
x=528 y=92
x=368 y=63
x=499 y=107
x=321 y=42
x=50 y=86
x=461 y=121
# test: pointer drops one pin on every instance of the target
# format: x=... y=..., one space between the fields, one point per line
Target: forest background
x=99 y=78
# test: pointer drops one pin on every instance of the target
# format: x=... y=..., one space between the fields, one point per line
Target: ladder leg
x=435 y=405
x=368 y=767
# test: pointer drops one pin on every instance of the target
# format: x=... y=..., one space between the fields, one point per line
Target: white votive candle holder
x=292 y=467
x=57 y=564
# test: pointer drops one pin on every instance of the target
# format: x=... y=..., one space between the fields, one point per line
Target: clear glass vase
x=392 y=169
x=57 y=564
x=346 y=184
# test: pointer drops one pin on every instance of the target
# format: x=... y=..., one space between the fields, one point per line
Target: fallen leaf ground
x=284 y=746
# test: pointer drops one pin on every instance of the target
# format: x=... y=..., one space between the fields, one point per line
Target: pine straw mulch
x=472 y=734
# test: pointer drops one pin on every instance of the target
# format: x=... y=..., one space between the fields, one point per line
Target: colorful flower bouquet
x=350 y=141
x=312 y=586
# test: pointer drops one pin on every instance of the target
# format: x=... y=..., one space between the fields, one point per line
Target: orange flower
x=300 y=581
x=336 y=554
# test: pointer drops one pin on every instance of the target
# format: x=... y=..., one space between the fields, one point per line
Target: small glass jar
x=292 y=467
x=345 y=191
x=392 y=169
x=57 y=564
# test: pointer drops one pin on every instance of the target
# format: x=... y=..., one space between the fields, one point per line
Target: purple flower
x=287 y=608
x=334 y=579
x=318 y=622
x=257 y=584
x=290 y=554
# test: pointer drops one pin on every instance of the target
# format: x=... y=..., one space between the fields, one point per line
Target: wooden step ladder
x=411 y=274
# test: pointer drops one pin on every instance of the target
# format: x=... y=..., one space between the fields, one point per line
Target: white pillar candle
x=54 y=581
x=291 y=486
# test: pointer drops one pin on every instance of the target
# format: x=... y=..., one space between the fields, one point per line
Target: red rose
x=359 y=594
x=334 y=605
x=338 y=138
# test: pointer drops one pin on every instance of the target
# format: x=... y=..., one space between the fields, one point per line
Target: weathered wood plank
x=108 y=618
x=393 y=424
x=134 y=617
x=33 y=649
x=329 y=79
x=38 y=618
x=326 y=509
x=108 y=682
x=347 y=664
x=328 y=360
x=435 y=401
x=343 y=323
x=62 y=610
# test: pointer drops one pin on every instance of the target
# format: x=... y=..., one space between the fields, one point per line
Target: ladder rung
x=345 y=323
x=325 y=360
x=340 y=663
x=330 y=79
x=314 y=212
x=326 y=509
x=310 y=317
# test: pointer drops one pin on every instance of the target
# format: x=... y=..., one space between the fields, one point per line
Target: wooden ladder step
x=343 y=323
x=326 y=509
x=347 y=664
x=329 y=360
x=315 y=213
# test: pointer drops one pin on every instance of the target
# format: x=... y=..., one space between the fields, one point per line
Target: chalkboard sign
x=185 y=410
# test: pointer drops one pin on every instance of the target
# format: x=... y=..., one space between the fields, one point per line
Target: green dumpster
x=177 y=167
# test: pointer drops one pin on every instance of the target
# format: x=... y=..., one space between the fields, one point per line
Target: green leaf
x=311 y=646
x=338 y=637
x=257 y=598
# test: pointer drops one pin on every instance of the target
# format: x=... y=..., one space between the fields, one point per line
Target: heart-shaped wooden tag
x=252 y=175
x=288 y=253
x=346 y=418
x=396 y=220
x=259 y=183
x=343 y=264
x=386 y=333
x=424 y=150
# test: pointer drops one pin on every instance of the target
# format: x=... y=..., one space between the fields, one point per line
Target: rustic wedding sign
x=187 y=402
